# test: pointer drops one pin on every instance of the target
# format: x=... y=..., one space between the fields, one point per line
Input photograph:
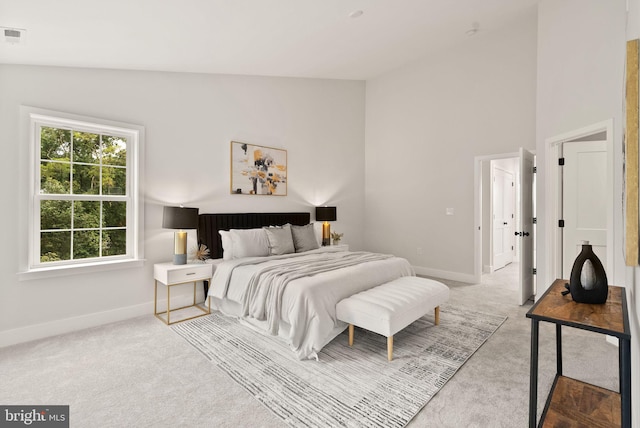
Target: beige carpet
x=139 y=373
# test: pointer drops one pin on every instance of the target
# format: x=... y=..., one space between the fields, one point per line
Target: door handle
x=505 y=223
x=522 y=233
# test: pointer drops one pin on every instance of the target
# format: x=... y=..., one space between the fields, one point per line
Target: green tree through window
x=83 y=194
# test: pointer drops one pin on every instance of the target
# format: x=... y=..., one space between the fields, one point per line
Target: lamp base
x=326 y=234
x=180 y=247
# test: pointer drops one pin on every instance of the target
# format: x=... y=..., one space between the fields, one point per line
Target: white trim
x=29 y=261
x=68 y=325
x=64 y=270
x=553 y=202
x=453 y=276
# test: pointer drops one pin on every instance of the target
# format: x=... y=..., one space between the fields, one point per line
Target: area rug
x=346 y=387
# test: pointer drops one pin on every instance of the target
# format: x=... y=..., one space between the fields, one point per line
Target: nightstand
x=340 y=247
x=172 y=275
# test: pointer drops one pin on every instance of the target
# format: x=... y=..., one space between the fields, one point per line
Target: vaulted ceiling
x=298 y=38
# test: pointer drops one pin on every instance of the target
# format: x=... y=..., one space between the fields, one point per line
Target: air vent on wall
x=13 y=35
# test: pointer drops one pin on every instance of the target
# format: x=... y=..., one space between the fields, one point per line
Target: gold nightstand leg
x=155 y=298
x=194 y=293
x=168 y=303
x=205 y=308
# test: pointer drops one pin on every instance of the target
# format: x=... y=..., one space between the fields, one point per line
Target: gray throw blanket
x=263 y=297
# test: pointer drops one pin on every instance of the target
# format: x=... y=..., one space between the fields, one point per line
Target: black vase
x=588 y=281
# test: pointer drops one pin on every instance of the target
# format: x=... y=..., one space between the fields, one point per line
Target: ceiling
x=297 y=38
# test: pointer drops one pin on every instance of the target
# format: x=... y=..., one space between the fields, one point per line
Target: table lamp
x=180 y=218
x=326 y=214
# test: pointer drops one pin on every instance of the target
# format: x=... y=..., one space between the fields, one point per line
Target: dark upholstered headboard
x=210 y=224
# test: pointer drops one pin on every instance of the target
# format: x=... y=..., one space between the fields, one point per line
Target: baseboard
x=453 y=276
x=487 y=269
x=68 y=325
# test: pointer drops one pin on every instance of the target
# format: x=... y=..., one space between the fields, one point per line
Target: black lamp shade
x=326 y=214
x=180 y=218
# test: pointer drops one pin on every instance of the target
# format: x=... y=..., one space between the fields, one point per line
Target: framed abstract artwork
x=258 y=170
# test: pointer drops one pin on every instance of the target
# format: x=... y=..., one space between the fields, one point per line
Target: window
x=84 y=208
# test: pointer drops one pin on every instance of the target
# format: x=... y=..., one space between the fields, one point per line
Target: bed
x=292 y=290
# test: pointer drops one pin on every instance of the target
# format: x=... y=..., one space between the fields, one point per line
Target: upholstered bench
x=390 y=307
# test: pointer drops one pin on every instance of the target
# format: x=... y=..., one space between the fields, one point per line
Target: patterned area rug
x=347 y=387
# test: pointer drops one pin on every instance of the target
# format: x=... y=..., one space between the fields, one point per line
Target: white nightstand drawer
x=168 y=273
x=193 y=273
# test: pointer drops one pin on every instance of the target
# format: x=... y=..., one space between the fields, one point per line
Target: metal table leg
x=624 y=352
x=559 y=349
x=533 y=375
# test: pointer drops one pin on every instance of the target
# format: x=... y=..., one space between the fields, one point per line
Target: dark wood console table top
x=573 y=403
x=607 y=318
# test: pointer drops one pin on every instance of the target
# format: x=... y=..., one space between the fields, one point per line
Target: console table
x=572 y=400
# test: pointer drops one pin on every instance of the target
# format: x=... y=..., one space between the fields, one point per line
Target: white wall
x=425 y=123
x=581 y=57
x=581 y=45
x=190 y=120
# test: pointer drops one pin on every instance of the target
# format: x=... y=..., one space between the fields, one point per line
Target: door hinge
x=535 y=220
x=560 y=223
x=512 y=248
x=535 y=271
x=561 y=161
x=535 y=169
x=512 y=184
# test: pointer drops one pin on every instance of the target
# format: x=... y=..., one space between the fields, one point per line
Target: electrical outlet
x=419 y=251
x=449 y=211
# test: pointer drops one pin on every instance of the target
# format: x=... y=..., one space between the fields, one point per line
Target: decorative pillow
x=304 y=238
x=227 y=244
x=249 y=243
x=280 y=240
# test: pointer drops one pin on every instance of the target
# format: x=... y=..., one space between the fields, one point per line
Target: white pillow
x=280 y=240
x=227 y=244
x=304 y=238
x=249 y=243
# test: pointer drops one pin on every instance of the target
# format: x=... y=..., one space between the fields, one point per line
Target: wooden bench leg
x=350 y=334
x=437 y=315
x=390 y=348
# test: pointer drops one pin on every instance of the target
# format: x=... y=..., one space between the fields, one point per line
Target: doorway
x=500 y=250
x=504 y=206
x=594 y=144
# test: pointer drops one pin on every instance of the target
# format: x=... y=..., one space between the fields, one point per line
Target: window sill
x=52 y=272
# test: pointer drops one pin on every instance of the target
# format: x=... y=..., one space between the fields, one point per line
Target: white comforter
x=302 y=291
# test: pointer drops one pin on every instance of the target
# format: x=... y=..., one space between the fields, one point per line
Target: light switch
x=450 y=211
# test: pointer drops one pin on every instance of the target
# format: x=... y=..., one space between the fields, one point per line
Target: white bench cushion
x=388 y=308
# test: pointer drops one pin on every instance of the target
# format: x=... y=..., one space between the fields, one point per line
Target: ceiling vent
x=13 y=35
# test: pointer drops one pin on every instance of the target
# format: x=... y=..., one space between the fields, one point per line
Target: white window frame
x=32 y=120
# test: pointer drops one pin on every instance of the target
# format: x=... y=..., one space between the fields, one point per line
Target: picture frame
x=630 y=145
x=258 y=170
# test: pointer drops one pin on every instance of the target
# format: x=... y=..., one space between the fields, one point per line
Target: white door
x=584 y=196
x=503 y=217
x=525 y=226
